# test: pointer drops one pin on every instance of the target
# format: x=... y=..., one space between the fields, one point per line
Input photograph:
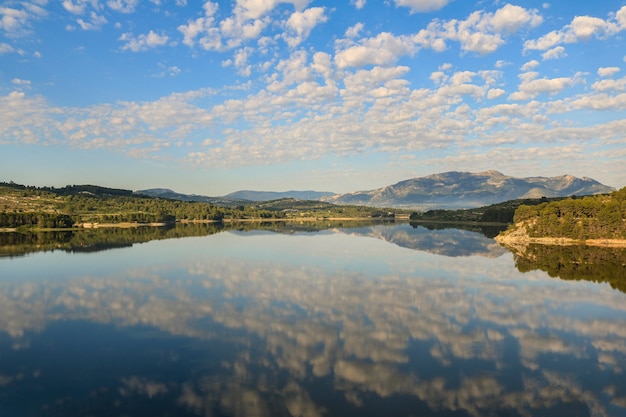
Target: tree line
x=22 y=206
x=576 y=262
x=592 y=217
x=35 y=219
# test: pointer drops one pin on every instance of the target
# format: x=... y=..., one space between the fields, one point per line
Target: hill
x=93 y=206
x=454 y=190
x=592 y=220
x=502 y=213
x=236 y=198
x=173 y=195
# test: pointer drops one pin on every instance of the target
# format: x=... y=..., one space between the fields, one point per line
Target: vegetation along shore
x=598 y=220
x=88 y=206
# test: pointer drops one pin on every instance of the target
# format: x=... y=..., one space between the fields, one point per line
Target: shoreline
x=463 y=222
x=132 y=225
x=559 y=241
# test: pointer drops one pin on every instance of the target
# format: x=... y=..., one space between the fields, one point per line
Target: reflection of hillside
x=447 y=240
x=273 y=338
x=94 y=240
x=488 y=230
x=576 y=262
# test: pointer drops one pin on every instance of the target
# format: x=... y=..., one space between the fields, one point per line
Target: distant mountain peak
x=276 y=195
x=455 y=189
x=155 y=191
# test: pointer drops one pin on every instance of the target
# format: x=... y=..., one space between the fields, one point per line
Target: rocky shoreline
x=519 y=237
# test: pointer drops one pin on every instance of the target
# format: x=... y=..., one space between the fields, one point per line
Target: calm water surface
x=372 y=321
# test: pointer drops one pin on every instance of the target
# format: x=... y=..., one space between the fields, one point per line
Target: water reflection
x=575 y=262
x=443 y=239
x=440 y=239
x=307 y=325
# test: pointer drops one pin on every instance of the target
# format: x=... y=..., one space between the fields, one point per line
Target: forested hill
x=48 y=207
x=594 y=217
x=72 y=189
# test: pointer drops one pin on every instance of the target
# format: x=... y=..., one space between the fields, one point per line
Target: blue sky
x=217 y=96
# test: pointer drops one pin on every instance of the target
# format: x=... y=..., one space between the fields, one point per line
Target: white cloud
x=598 y=102
x=77 y=7
x=19 y=81
x=241 y=61
x=495 y=93
x=235 y=31
x=481 y=32
x=300 y=24
x=581 y=28
x=530 y=65
x=554 y=53
x=359 y=4
x=95 y=22
x=25 y=119
x=610 y=85
x=531 y=86
x=123 y=6
x=202 y=26
x=230 y=32
x=510 y=19
x=438 y=77
x=17 y=22
x=290 y=71
x=384 y=49
x=608 y=71
x=142 y=42
x=354 y=31
x=255 y=9
x=171 y=71
x=421 y=6
x=5 y=48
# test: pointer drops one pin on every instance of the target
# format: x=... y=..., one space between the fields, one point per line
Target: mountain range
x=456 y=190
x=448 y=190
x=275 y=195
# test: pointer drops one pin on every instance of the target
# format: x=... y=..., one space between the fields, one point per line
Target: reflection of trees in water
x=489 y=231
x=97 y=239
x=440 y=238
x=443 y=239
x=576 y=262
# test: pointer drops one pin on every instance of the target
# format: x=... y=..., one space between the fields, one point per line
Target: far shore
x=453 y=222
x=131 y=225
x=560 y=241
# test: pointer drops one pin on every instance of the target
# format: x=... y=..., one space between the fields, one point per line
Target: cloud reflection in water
x=306 y=333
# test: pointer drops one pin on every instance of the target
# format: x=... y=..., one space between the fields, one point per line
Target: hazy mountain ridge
x=242 y=196
x=468 y=190
x=448 y=190
x=173 y=195
x=452 y=242
x=276 y=195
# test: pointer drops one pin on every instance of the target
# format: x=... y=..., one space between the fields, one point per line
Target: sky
x=211 y=97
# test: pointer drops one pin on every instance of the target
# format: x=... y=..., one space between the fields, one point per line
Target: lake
x=372 y=320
